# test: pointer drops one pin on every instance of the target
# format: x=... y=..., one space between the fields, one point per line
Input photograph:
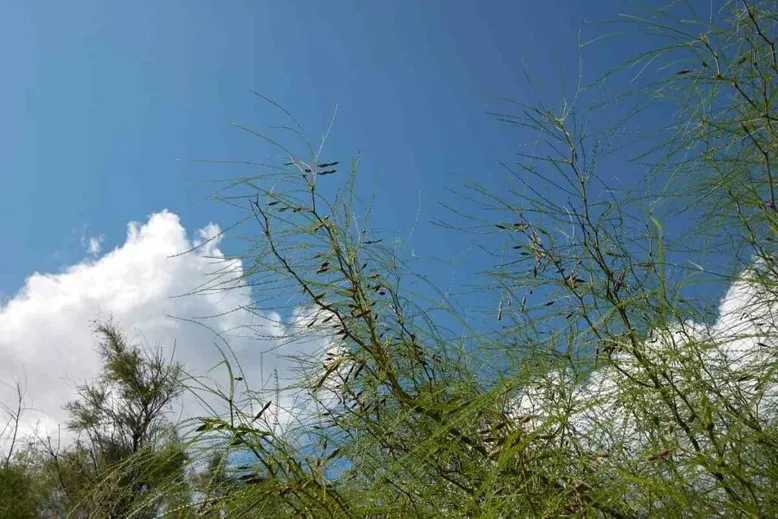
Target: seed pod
x=657 y=455
x=618 y=283
x=571 y=280
x=264 y=408
x=362 y=314
x=333 y=453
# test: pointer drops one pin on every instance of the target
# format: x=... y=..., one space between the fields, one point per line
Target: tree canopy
x=586 y=372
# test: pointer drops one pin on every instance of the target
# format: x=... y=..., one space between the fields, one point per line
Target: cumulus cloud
x=47 y=339
x=734 y=352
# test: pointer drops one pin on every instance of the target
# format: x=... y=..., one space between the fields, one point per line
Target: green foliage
x=595 y=385
x=125 y=453
x=124 y=410
x=585 y=376
x=16 y=497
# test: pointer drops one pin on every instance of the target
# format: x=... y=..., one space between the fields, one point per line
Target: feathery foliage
x=586 y=372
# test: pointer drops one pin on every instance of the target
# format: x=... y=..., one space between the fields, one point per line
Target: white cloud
x=95 y=245
x=46 y=337
x=735 y=350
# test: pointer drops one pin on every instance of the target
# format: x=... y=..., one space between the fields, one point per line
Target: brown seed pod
x=618 y=283
x=657 y=455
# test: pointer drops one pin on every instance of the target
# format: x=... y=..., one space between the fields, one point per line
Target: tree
x=599 y=383
x=126 y=450
x=16 y=497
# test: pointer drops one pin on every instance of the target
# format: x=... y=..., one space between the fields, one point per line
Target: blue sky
x=101 y=99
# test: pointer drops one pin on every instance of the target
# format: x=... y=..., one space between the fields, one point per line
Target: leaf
x=707 y=412
x=211 y=424
x=251 y=479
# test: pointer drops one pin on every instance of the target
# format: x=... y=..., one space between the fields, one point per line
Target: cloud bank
x=47 y=341
x=737 y=355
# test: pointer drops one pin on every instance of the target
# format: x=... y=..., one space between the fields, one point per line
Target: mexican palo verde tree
x=599 y=382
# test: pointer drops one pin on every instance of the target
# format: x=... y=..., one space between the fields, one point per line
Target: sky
x=105 y=99
x=104 y=103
